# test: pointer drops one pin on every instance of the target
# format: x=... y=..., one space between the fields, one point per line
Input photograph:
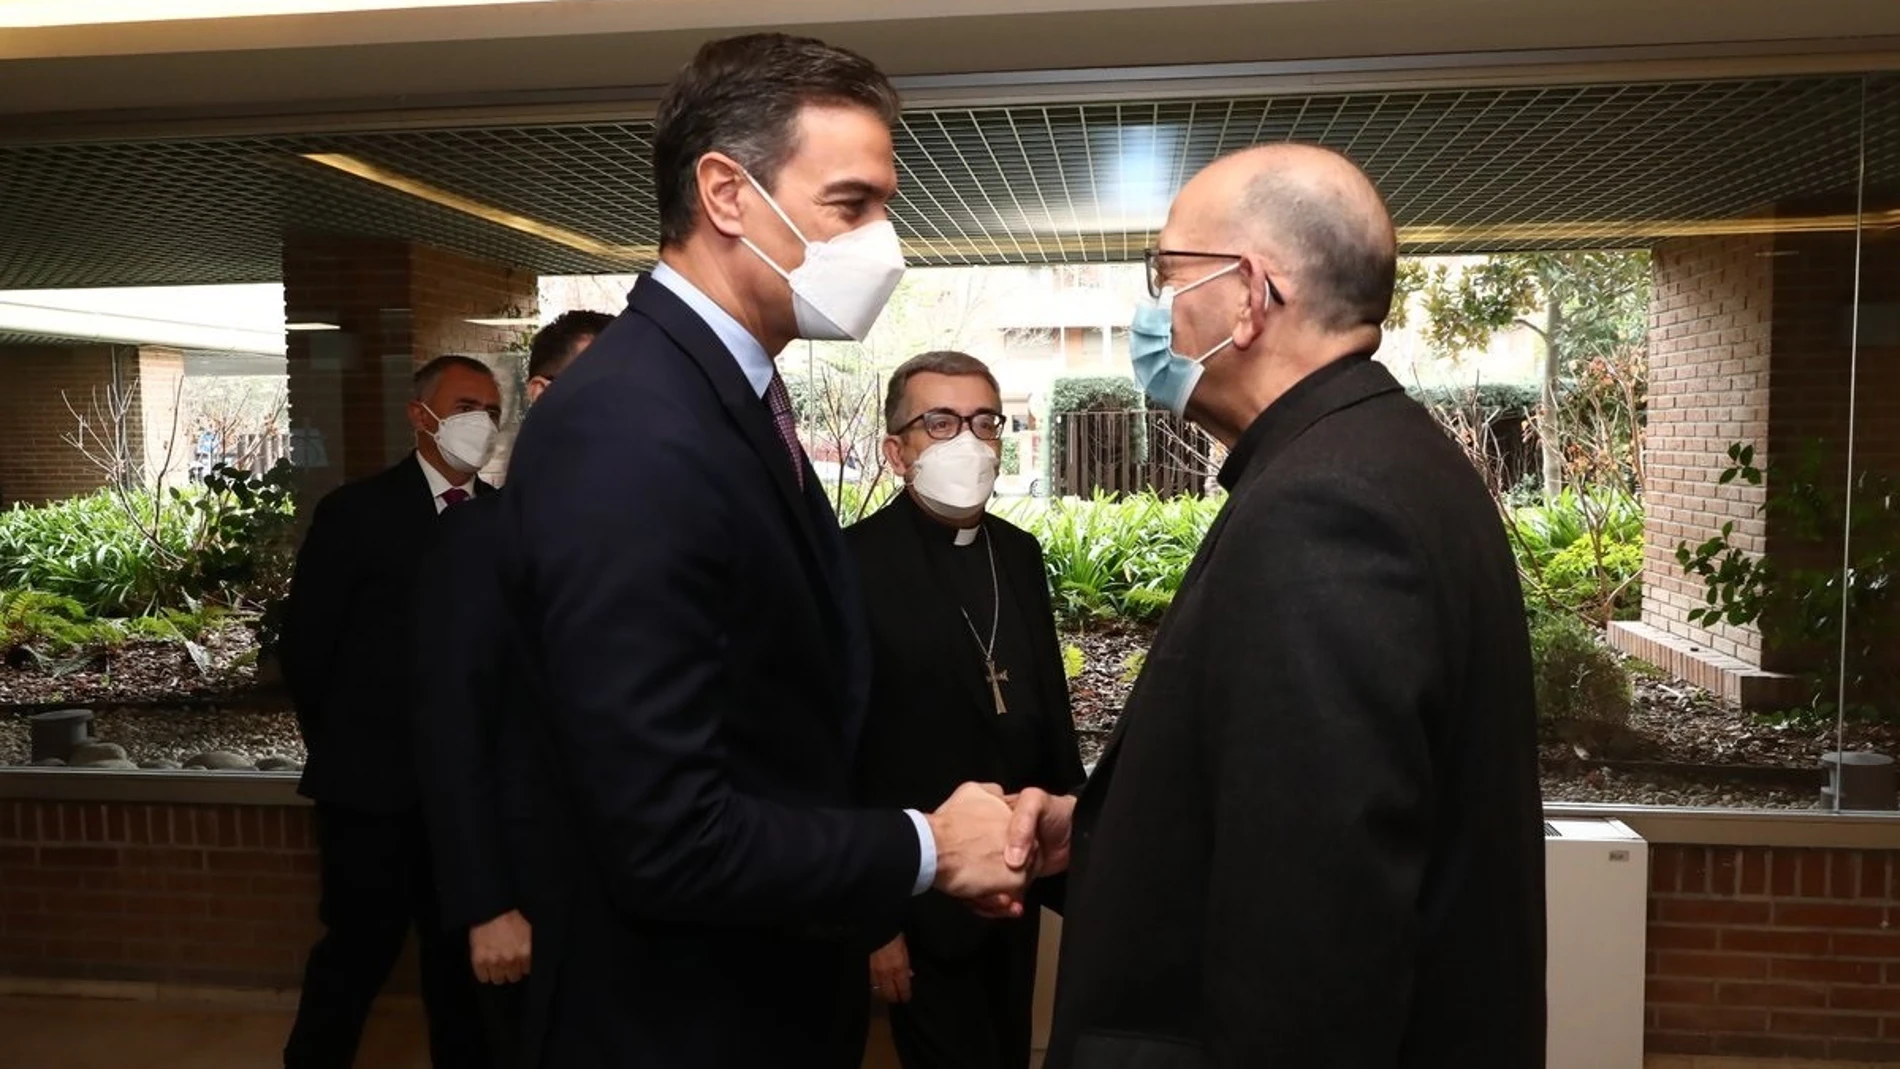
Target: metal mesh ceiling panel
x=1464 y=171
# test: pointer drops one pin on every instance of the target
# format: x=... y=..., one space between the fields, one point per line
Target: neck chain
x=996 y=678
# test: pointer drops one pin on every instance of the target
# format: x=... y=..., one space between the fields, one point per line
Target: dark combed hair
x=554 y=345
x=431 y=373
x=742 y=96
x=941 y=362
x=1352 y=273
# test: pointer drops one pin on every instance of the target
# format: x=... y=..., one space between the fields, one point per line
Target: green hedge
x=1501 y=399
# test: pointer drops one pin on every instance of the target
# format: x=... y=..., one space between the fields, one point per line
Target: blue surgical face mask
x=1165 y=376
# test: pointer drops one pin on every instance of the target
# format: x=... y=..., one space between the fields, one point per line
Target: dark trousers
x=376 y=887
x=970 y=1010
x=503 y=1008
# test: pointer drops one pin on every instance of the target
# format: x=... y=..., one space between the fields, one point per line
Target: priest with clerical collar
x=967 y=684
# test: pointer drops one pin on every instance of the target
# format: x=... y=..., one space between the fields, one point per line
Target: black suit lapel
x=415 y=501
x=821 y=551
x=746 y=408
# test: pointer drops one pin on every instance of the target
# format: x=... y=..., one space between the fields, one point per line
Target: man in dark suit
x=470 y=752
x=966 y=684
x=1315 y=838
x=695 y=643
x=349 y=659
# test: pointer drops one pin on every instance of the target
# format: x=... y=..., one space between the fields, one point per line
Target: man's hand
x=1038 y=841
x=970 y=828
x=1039 y=828
x=890 y=971
x=500 y=950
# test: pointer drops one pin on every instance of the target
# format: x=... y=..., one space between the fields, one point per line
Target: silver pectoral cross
x=997 y=679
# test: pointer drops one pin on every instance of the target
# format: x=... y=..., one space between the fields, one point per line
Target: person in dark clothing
x=468 y=750
x=348 y=658
x=695 y=642
x=1315 y=838
x=966 y=684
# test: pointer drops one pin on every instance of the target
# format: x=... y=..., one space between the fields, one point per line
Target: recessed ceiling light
x=311 y=326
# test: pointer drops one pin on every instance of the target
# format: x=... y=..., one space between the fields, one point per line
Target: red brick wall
x=1752 y=951
x=36 y=464
x=399 y=304
x=212 y=895
x=1757 y=952
x=1750 y=341
x=1708 y=354
x=168 y=438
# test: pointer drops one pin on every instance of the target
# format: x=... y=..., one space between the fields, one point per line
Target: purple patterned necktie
x=780 y=401
x=452 y=497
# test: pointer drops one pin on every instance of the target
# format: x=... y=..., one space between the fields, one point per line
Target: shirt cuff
x=926 y=853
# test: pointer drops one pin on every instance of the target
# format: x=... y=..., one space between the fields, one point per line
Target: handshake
x=990 y=846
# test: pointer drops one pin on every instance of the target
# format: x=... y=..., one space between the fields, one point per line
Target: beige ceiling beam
x=587 y=61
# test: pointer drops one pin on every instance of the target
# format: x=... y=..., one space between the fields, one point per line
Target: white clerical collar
x=966 y=536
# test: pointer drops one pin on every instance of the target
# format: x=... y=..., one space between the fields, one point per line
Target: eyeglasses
x=1151 y=259
x=943 y=424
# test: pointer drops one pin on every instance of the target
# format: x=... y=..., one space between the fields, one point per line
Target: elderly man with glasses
x=967 y=684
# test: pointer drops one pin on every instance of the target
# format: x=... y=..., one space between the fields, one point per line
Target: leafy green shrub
x=91 y=550
x=1605 y=577
x=1073 y=661
x=123 y=553
x=1133 y=664
x=1580 y=681
x=174 y=625
x=1012 y=456
x=1096 y=393
x=1116 y=558
x=1799 y=600
x=852 y=502
x=50 y=624
x=1582 y=553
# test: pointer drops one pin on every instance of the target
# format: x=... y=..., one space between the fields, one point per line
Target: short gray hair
x=937 y=362
x=429 y=374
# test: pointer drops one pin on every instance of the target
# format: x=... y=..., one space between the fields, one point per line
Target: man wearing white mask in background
x=348 y=656
x=696 y=656
x=966 y=684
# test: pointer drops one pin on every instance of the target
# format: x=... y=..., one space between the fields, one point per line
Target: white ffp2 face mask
x=955 y=478
x=844 y=283
x=466 y=440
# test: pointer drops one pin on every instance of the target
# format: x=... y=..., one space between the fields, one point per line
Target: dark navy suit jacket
x=695 y=657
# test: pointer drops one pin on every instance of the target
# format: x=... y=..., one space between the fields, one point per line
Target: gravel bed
x=1671 y=722
x=176 y=735
x=137 y=671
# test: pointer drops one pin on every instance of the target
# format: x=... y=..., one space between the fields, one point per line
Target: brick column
x=46 y=390
x=1751 y=340
x=397 y=304
x=165 y=434
x=1709 y=332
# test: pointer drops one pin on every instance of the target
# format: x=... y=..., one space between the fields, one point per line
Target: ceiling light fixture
x=515 y=221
